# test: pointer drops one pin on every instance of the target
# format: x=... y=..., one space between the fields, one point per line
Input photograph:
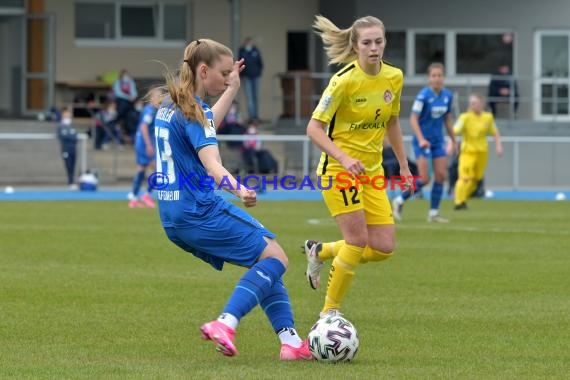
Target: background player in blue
x=431 y=111
x=197 y=219
x=144 y=150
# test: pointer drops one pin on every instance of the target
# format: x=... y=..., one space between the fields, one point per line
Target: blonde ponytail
x=182 y=87
x=340 y=43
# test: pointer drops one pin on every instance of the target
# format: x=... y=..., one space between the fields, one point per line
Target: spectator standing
x=251 y=76
x=125 y=94
x=503 y=88
x=67 y=136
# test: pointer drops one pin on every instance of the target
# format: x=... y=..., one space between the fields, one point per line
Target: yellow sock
x=341 y=275
x=330 y=250
x=463 y=187
x=370 y=254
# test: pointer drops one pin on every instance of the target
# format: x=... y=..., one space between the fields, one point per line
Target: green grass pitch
x=95 y=290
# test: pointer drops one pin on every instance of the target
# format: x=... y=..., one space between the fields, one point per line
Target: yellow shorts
x=344 y=194
x=472 y=165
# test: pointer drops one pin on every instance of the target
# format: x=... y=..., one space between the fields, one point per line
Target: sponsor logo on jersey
x=211 y=129
x=418 y=106
x=438 y=111
x=325 y=103
x=375 y=125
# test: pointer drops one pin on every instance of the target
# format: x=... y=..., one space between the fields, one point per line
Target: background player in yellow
x=475 y=125
x=357 y=110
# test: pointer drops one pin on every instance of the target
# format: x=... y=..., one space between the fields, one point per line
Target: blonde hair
x=340 y=43
x=182 y=87
x=153 y=90
x=479 y=96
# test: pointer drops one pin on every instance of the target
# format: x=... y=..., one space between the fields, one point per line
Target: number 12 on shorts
x=350 y=196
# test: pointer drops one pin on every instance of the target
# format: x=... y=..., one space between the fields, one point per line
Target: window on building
x=395 y=52
x=94 y=21
x=464 y=53
x=175 y=22
x=554 y=56
x=553 y=50
x=125 y=22
x=12 y=4
x=483 y=53
x=428 y=48
x=139 y=20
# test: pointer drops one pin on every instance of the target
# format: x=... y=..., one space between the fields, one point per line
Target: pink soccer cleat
x=148 y=201
x=135 y=203
x=289 y=353
x=222 y=335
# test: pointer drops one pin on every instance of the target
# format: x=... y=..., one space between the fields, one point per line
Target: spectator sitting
x=105 y=126
x=250 y=148
x=232 y=125
x=391 y=165
x=503 y=88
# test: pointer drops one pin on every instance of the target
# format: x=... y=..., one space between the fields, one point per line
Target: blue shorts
x=142 y=158
x=231 y=235
x=435 y=150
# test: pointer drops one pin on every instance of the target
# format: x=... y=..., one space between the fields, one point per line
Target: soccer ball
x=333 y=339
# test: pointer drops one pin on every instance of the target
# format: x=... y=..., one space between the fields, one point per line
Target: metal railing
x=528 y=162
x=35 y=163
x=296 y=94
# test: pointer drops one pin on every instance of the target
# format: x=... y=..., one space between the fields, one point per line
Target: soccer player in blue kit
x=431 y=111
x=144 y=150
x=201 y=222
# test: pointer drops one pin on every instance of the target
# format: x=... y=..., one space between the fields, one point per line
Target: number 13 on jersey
x=164 y=161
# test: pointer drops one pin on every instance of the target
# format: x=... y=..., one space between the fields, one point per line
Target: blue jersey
x=432 y=110
x=183 y=198
x=147 y=117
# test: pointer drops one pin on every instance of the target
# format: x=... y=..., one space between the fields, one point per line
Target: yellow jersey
x=356 y=107
x=475 y=128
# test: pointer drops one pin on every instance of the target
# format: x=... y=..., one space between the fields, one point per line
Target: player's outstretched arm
x=222 y=106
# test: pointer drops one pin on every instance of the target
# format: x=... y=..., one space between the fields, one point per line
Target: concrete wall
x=266 y=21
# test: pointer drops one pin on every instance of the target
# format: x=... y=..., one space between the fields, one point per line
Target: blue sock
x=137 y=182
x=436 y=192
x=255 y=285
x=406 y=194
x=277 y=307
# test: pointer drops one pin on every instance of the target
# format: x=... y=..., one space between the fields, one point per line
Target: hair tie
x=187 y=61
x=198 y=42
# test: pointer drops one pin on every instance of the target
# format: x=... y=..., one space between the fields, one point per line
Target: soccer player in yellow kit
x=360 y=106
x=475 y=125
